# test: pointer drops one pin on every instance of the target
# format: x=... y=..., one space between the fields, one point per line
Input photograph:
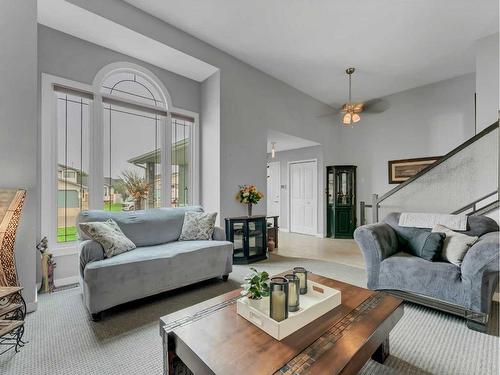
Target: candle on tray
x=278 y=306
x=293 y=292
x=279 y=299
x=301 y=273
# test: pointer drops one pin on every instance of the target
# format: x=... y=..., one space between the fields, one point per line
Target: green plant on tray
x=256 y=285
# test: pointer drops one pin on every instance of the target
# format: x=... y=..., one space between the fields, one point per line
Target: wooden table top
x=214 y=338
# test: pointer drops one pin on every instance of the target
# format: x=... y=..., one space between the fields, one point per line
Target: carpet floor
x=64 y=341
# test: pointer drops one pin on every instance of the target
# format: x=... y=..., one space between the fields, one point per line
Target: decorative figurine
x=48 y=266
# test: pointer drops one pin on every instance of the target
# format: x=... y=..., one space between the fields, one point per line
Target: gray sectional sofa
x=158 y=264
x=466 y=290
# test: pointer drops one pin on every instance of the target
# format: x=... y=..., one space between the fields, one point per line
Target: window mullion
x=166 y=156
x=96 y=142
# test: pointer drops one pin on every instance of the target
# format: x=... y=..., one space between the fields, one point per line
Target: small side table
x=12 y=314
x=248 y=234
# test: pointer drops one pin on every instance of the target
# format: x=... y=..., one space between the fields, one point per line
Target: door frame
x=279 y=179
x=315 y=229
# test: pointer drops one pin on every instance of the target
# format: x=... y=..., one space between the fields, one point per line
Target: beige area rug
x=63 y=340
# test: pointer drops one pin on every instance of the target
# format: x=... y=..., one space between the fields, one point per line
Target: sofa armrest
x=482 y=257
x=90 y=251
x=377 y=242
x=219 y=234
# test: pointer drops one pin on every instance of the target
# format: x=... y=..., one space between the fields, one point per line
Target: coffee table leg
x=168 y=355
x=382 y=352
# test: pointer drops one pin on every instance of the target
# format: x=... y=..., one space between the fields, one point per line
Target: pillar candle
x=278 y=302
x=302 y=280
x=292 y=294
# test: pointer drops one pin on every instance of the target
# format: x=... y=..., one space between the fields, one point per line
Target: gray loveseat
x=466 y=290
x=159 y=263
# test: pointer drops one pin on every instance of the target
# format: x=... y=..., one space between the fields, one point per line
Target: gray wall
x=424 y=121
x=487 y=77
x=250 y=102
x=18 y=130
x=210 y=144
x=285 y=157
x=68 y=57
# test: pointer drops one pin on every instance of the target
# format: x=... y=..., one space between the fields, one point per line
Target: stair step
x=7 y=326
x=9 y=308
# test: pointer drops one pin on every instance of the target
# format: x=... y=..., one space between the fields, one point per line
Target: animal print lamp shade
x=11 y=204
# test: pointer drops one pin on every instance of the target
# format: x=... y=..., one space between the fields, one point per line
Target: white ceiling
x=73 y=20
x=286 y=141
x=394 y=44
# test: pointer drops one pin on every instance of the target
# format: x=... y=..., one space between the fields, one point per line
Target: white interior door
x=273 y=188
x=303 y=197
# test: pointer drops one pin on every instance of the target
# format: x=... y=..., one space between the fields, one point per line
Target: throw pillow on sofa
x=198 y=226
x=426 y=245
x=109 y=235
x=455 y=244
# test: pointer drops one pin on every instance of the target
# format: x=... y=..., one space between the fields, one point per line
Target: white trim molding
x=67 y=281
x=48 y=157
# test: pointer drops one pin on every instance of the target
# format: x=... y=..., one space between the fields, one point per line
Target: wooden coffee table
x=211 y=338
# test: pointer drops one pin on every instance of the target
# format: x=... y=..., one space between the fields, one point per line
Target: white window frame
x=48 y=141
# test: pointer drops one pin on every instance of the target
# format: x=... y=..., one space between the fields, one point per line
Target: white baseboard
x=31 y=307
x=284 y=229
x=67 y=281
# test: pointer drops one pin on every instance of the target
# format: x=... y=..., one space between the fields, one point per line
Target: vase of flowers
x=249 y=195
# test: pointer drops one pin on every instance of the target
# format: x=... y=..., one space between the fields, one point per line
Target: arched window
x=133 y=86
x=132 y=135
x=120 y=145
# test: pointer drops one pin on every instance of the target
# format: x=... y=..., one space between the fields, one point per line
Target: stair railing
x=376 y=200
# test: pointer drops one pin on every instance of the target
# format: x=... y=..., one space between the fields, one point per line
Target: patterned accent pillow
x=198 y=226
x=109 y=235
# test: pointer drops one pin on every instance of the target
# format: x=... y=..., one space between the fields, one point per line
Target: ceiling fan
x=351 y=111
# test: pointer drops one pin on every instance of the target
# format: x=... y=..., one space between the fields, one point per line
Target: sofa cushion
x=426 y=245
x=480 y=225
x=455 y=244
x=144 y=228
x=109 y=235
x=150 y=270
x=441 y=280
x=198 y=226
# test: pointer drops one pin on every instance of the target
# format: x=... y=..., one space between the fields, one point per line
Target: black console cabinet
x=341 y=201
x=248 y=234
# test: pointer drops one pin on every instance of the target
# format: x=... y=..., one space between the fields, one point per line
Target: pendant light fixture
x=273 y=150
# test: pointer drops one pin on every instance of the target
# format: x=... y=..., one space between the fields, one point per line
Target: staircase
x=465 y=180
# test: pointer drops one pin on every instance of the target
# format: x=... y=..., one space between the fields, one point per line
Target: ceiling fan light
x=355 y=117
x=347 y=118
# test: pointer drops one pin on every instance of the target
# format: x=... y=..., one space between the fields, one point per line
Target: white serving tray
x=318 y=301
